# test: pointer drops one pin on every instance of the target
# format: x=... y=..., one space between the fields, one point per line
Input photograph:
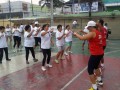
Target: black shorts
x=93 y=63
x=37 y=40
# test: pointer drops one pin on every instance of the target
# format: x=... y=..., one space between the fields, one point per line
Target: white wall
x=15 y=6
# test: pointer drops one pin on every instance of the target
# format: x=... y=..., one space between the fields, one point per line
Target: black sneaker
x=35 y=60
x=8 y=59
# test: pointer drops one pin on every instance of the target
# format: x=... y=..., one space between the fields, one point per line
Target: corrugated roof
x=111 y=1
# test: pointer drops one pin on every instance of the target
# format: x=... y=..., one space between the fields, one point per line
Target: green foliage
x=56 y=3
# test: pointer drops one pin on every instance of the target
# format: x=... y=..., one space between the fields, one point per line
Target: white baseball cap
x=36 y=22
x=91 y=23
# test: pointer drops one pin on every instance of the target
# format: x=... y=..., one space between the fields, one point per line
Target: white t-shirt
x=46 y=40
x=60 y=42
x=20 y=32
x=16 y=32
x=28 y=41
x=3 y=42
x=22 y=27
x=32 y=28
x=8 y=31
x=69 y=36
x=74 y=22
x=35 y=31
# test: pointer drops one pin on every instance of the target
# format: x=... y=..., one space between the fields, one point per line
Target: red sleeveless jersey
x=95 y=44
x=104 y=35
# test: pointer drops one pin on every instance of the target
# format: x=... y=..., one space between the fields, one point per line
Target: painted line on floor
x=74 y=78
x=81 y=72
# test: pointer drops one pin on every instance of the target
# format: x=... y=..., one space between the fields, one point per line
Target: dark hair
x=106 y=24
x=36 y=25
x=2 y=27
x=43 y=27
x=101 y=21
x=59 y=26
x=27 y=27
x=67 y=26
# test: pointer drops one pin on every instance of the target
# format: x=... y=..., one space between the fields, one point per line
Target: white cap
x=36 y=22
x=91 y=23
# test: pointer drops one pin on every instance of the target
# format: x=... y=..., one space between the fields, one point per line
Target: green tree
x=56 y=3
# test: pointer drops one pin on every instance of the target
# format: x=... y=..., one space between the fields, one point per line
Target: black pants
x=46 y=55
x=37 y=40
x=27 y=49
x=93 y=63
x=16 y=41
x=19 y=41
x=6 y=52
x=1 y=54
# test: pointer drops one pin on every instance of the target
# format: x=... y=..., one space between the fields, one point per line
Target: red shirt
x=95 y=44
x=104 y=35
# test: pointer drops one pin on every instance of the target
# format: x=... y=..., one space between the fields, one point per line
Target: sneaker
x=56 y=61
x=19 y=50
x=70 y=51
x=92 y=88
x=66 y=53
x=43 y=68
x=14 y=51
x=35 y=60
x=49 y=65
x=27 y=62
x=62 y=58
x=8 y=59
x=100 y=82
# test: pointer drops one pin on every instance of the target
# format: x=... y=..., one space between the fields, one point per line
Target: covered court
x=69 y=74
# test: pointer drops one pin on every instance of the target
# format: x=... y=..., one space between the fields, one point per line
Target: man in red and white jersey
x=104 y=37
x=96 y=50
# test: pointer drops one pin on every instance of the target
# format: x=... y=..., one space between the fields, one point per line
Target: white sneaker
x=66 y=53
x=70 y=51
x=14 y=50
x=49 y=65
x=43 y=68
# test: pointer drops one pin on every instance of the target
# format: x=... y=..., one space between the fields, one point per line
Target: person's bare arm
x=37 y=32
x=44 y=33
x=30 y=33
x=85 y=37
x=61 y=37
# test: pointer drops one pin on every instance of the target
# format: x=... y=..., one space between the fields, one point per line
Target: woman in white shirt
x=46 y=41
x=37 y=35
x=68 y=40
x=3 y=44
x=29 y=43
x=16 y=34
x=8 y=32
x=60 y=41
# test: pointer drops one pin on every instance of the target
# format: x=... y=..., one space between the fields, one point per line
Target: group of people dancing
x=35 y=35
